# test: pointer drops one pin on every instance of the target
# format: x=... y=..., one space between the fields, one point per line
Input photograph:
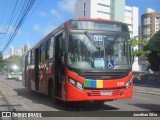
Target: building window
x=84 y=13
x=104 y=5
x=102 y=12
x=84 y=6
x=128 y=11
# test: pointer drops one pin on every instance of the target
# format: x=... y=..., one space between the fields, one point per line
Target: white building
x=131 y=18
x=11 y=50
x=19 y=52
x=109 y=9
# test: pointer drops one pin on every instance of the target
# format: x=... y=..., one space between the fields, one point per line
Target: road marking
x=142 y=98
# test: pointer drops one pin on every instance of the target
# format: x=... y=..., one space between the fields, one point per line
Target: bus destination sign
x=95 y=25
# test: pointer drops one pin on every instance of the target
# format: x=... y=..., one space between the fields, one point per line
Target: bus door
x=36 y=69
x=25 y=69
x=59 y=63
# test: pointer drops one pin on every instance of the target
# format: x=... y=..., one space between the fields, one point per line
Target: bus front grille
x=103 y=75
x=98 y=93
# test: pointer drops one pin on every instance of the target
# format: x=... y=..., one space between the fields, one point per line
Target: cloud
x=37 y=27
x=48 y=29
x=2 y=30
x=43 y=30
x=56 y=14
x=43 y=14
x=67 y=5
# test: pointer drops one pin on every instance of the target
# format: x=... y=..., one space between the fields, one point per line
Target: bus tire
x=52 y=93
x=99 y=102
x=29 y=87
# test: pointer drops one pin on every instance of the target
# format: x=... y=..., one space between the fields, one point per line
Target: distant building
x=11 y=50
x=108 y=9
x=19 y=52
x=150 y=23
x=26 y=47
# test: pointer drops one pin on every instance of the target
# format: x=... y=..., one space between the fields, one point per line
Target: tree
x=154 y=46
x=134 y=43
x=154 y=43
x=14 y=60
x=2 y=62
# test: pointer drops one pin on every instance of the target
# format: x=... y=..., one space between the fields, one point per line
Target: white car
x=19 y=76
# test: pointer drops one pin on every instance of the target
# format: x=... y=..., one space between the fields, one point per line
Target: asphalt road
x=14 y=97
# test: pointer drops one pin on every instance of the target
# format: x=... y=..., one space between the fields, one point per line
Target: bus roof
x=98 y=19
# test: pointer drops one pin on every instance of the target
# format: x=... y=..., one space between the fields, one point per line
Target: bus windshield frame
x=98 y=50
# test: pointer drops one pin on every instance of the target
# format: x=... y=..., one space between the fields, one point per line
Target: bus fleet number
x=120 y=83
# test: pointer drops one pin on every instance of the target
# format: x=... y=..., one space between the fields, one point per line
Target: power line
x=29 y=6
x=20 y=13
x=14 y=9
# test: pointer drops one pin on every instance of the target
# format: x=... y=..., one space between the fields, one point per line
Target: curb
x=143 y=91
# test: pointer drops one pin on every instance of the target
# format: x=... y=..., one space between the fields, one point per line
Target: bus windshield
x=97 y=51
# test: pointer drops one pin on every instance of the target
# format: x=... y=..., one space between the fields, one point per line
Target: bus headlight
x=128 y=84
x=76 y=84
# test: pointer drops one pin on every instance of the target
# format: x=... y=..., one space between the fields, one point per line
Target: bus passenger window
x=29 y=58
x=50 y=48
x=32 y=57
x=43 y=53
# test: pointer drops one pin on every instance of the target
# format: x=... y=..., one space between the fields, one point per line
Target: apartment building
x=150 y=23
x=109 y=9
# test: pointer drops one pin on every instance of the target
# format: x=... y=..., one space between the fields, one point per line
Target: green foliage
x=14 y=60
x=154 y=43
x=154 y=46
x=140 y=53
x=2 y=62
x=135 y=42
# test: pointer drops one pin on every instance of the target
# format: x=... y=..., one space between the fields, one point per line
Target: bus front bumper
x=74 y=94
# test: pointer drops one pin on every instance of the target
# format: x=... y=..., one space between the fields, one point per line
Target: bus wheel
x=98 y=102
x=29 y=88
x=52 y=94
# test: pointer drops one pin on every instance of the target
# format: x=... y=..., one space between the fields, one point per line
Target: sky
x=49 y=14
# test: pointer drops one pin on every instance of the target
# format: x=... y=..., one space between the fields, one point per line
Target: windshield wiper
x=90 y=39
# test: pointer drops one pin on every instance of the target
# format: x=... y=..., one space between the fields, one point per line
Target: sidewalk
x=6 y=91
x=148 y=90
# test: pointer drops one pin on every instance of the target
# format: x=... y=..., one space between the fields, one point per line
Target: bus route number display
x=95 y=25
x=98 y=38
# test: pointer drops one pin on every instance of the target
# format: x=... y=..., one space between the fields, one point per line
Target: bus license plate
x=106 y=93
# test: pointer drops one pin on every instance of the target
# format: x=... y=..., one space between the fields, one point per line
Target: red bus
x=81 y=60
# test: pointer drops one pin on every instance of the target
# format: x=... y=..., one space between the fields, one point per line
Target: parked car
x=19 y=76
x=11 y=75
